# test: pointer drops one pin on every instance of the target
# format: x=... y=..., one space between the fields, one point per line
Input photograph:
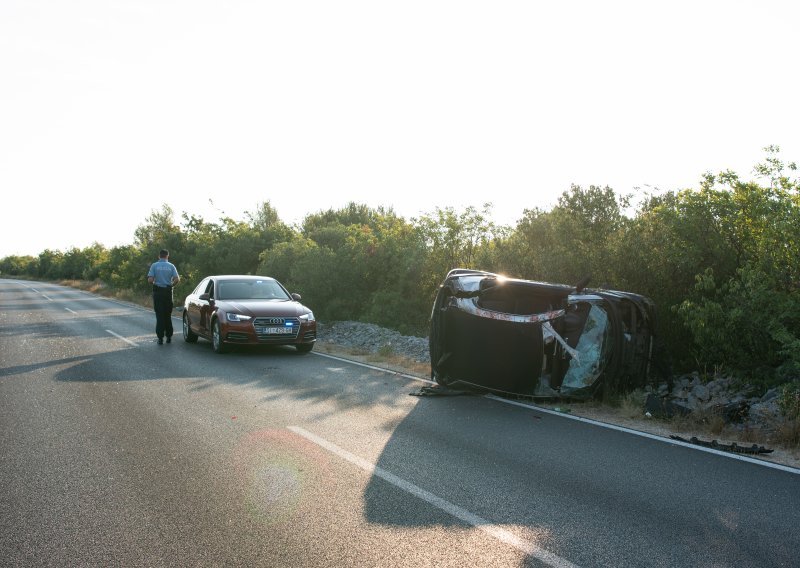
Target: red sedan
x=247 y=310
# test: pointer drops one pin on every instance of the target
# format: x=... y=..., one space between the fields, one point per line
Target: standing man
x=163 y=276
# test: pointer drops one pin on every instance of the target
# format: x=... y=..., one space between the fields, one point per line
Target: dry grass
x=788 y=434
x=632 y=404
x=96 y=287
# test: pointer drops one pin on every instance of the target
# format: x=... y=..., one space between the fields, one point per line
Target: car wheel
x=304 y=347
x=216 y=338
x=188 y=335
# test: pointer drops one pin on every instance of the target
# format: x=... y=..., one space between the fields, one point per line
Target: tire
x=304 y=347
x=216 y=338
x=188 y=335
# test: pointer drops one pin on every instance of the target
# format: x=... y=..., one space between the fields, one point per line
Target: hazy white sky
x=109 y=108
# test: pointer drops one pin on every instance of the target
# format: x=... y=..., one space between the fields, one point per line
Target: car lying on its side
x=247 y=310
x=538 y=339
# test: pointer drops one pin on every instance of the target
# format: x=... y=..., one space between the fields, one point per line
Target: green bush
x=746 y=323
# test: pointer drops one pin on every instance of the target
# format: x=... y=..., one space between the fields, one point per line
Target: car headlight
x=307 y=317
x=238 y=317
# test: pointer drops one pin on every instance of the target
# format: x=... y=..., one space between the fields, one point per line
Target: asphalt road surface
x=119 y=452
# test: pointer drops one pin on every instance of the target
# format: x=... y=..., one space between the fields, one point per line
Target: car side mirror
x=204 y=297
x=297 y=297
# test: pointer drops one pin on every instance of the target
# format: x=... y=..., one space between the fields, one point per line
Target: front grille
x=263 y=323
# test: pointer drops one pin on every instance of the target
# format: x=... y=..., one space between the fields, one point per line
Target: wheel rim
x=185 y=327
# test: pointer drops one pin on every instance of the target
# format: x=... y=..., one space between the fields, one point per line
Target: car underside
x=538 y=339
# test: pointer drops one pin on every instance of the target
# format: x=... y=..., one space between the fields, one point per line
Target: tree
x=454 y=239
x=83 y=264
x=50 y=264
x=18 y=265
x=120 y=268
x=574 y=239
x=159 y=231
x=749 y=318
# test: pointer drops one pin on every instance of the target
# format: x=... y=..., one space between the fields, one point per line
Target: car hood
x=260 y=308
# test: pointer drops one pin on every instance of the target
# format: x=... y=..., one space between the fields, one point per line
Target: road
x=119 y=452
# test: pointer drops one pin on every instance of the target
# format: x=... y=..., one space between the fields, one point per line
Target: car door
x=206 y=308
x=192 y=306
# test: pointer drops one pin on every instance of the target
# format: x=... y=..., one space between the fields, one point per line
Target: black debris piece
x=732 y=447
x=662 y=408
x=439 y=390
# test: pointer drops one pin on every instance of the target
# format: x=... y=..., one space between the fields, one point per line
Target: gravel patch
x=374 y=339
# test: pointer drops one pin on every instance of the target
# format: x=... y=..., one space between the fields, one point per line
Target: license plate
x=275 y=330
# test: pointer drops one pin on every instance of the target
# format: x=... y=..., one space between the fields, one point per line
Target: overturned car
x=537 y=339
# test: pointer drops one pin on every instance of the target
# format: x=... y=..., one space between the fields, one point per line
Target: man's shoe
x=160 y=341
x=169 y=340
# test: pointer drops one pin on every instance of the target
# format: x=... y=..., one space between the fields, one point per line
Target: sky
x=111 y=109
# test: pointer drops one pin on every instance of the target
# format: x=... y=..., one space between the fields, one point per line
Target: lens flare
x=278 y=472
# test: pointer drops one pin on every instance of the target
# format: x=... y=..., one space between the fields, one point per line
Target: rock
x=701 y=392
x=765 y=412
x=771 y=394
x=735 y=412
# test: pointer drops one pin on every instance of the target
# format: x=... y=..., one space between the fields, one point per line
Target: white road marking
x=118 y=336
x=46 y=297
x=71 y=311
x=460 y=513
x=382 y=369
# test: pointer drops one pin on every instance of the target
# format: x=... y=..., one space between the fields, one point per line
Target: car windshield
x=251 y=290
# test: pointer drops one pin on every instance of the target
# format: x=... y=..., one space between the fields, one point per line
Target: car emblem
x=274 y=321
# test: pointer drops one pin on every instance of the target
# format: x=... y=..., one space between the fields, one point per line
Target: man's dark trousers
x=162 y=304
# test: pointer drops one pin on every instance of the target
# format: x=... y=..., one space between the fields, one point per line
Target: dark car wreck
x=538 y=339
